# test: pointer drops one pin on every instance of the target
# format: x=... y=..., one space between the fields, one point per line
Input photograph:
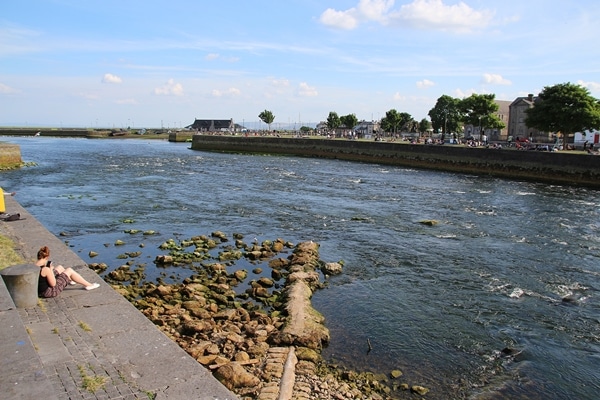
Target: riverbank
x=269 y=332
x=571 y=168
x=86 y=344
x=10 y=156
x=563 y=167
x=254 y=352
x=90 y=133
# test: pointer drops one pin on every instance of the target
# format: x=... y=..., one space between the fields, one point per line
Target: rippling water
x=440 y=302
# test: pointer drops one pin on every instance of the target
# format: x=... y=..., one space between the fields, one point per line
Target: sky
x=133 y=63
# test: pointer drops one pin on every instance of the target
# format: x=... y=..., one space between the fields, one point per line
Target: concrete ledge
x=22 y=284
x=23 y=376
x=98 y=331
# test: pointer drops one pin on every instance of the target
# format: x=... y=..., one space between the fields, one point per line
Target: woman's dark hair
x=44 y=252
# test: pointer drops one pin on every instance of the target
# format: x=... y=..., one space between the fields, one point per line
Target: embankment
x=10 y=156
x=565 y=168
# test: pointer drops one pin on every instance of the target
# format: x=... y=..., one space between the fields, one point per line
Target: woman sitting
x=54 y=278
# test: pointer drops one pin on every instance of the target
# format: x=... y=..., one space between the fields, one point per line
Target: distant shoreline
x=571 y=168
x=563 y=167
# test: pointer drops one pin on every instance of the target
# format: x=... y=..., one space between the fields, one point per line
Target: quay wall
x=562 y=167
x=59 y=132
x=182 y=136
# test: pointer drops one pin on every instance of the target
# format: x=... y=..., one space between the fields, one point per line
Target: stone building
x=517 y=116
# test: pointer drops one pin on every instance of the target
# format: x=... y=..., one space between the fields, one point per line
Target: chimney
x=530 y=97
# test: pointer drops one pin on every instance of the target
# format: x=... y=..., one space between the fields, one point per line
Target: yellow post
x=2 y=207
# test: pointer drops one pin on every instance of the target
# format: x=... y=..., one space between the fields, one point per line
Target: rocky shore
x=260 y=337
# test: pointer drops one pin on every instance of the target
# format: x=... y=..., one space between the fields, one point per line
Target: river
x=499 y=299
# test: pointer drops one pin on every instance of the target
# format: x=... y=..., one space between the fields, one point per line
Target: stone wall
x=182 y=136
x=45 y=132
x=563 y=167
x=10 y=156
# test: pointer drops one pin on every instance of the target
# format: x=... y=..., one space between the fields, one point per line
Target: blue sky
x=163 y=63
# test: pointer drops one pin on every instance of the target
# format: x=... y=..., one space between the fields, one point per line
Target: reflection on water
x=498 y=300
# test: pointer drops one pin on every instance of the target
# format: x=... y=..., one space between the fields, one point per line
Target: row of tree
x=565 y=108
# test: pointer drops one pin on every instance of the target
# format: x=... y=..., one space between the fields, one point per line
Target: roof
x=529 y=100
x=212 y=124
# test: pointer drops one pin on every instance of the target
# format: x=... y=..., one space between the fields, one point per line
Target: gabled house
x=212 y=125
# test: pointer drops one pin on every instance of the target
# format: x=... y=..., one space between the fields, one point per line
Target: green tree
x=333 y=121
x=424 y=125
x=446 y=116
x=267 y=117
x=393 y=121
x=480 y=110
x=349 y=121
x=566 y=108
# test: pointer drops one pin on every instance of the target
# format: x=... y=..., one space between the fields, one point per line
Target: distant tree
x=566 y=108
x=267 y=117
x=446 y=116
x=394 y=120
x=333 y=121
x=480 y=110
x=424 y=125
x=350 y=121
x=305 y=129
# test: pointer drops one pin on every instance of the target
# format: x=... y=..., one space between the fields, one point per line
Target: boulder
x=233 y=375
x=333 y=268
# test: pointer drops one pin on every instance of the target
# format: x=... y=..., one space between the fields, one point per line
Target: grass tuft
x=8 y=255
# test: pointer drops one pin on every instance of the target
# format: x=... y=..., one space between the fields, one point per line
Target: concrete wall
x=182 y=136
x=551 y=167
x=45 y=132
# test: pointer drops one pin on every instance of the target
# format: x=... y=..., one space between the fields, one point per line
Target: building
x=517 y=128
x=493 y=134
x=212 y=125
x=367 y=129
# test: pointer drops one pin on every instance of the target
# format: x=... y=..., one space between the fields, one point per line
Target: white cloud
x=461 y=94
x=339 y=19
x=434 y=14
x=110 y=78
x=231 y=92
x=307 y=91
x=171 y=88
x=425 y=83
x=280 y=82
x=5 y=89
x=399 y=97
x=421 y=14
x=211 y=56
x=592 y=86
x=495 y=79
x=375 y=10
